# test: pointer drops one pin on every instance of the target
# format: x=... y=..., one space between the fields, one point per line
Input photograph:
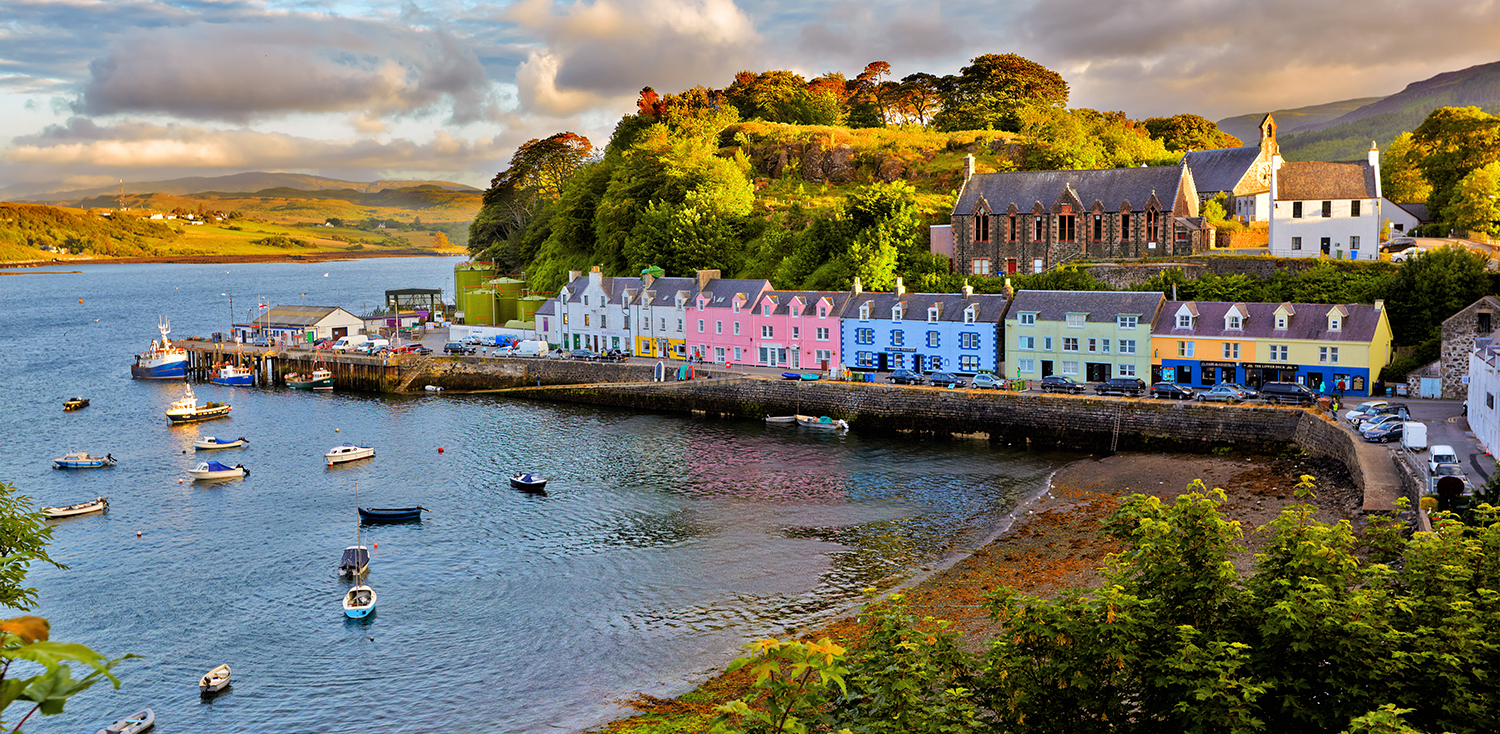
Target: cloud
x=274 y=66
x=603 y=53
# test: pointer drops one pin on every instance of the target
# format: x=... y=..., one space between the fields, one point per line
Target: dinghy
x=132 y=724
x=823 y=423
x=529 y=482
x=75 y=404
x=82 y=508
x=209 y=443
x=82 y=460
x=781 y=420
x=214 y=680
x=359 y=602
x=390 y=514
x=215 y=470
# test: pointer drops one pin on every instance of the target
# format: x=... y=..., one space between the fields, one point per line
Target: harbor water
x=664 y=543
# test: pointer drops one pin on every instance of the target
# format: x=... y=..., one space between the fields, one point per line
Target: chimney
x=1009 y=290
x=900 y=288
x=968 y=290
x=574 y=275
x=706 y=275
x=1174 y=291
x=968 y=168
x=647 y=279
x=1379 y=305
x=858 y=289
x=1375 y=166
x=595 y=277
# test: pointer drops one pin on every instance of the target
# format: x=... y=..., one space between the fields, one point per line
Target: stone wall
x=1321 y=437
x=476 y=373
x=1459 y=332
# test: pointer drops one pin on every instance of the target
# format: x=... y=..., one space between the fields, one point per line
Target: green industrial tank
x=507 y=292
x=526 y=307
x=478 y=306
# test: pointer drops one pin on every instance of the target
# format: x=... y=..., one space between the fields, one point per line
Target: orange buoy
x=440 y=449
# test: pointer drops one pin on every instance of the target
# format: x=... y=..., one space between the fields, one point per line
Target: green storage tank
x=507 y=292
x=527 y=306
x=478 y=306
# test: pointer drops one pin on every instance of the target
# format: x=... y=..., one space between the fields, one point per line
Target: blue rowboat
x=390 y=514
x=81 y=460
x=791 y=375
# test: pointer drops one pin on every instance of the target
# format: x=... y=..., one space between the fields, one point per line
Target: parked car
x=1438 y=481
x=1128 y=386
x=457 y=348
x=1287 y=392
x=1058 y=383
x=1220 y=393
x=1250 y=392
x=906 y=377
x=583 y=354
x=946 y=379
x=1380 y=420
x=261 y=342
x=1441 y=454
x=1171 y=391
x=1385 y=432
x=985 y=380
x=1392 y=409
x=473 y=341
x=1363 y=409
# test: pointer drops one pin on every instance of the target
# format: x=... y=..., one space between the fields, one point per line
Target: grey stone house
x=1031 y=221
x=1459 y=333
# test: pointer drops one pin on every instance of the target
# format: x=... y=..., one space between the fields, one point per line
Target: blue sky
x=93 y=91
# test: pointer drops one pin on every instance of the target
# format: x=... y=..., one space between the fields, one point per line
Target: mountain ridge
x=245 y=182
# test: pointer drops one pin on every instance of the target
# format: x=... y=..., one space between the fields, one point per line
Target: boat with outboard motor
x=822 y=423
x=348 y=452
x=215 y=470
x=82 y=460
x=187 y=410
x=529 y=482
x=75 y=404
x=82 y=508
x=209 y=443
x=162 y=361
x=214 y=680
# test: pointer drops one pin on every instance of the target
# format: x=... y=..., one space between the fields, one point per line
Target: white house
x=1323 y=209
x=1484 y=391
x=594 y=311
x=302 y=324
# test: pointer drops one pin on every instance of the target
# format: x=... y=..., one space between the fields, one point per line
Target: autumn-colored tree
x=994 y=90
x=915 y=99
x=867 y=106
x=1189 y=132
x=1476 y=201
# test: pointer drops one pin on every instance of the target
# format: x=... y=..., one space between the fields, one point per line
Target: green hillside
x=238 y=182
x=1247 y=127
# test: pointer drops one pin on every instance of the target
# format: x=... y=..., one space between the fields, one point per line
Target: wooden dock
x=272 y=365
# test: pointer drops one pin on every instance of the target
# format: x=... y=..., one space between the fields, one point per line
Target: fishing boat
x=215 y=470
x=82 y=460
x=75 y=404
x=355 y=562
x=348 y=452
x=209 y=443
x=823 y=423
x=529 y=482
x=132 y=724
x=187 y=410
x=782 y=420
x=214 y=680
x=162 y=361
x=228 y=374
x=390 y=514
x=82 y=508
x=359 y=601
x=319 y=379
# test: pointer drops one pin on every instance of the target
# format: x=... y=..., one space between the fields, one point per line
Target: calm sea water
x=665 y=543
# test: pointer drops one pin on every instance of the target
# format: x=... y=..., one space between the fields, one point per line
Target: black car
x=946 y=379
x=1386 y=433
x=1171 y=391
x=583 y=354
x=457 y=348
x=1058 y=383
x=1129 y=386
x=1287 y=392
x=906 y=377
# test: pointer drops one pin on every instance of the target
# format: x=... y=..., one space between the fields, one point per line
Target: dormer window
x=970 y=314
x=1027 y=319
x=864 y=312
x=822 y=312
x=1184 y=321
x=765 y=310
x=932 y=315
x=1334 y=323
x=1281 y=322
x=896 y=313
x=1075 y=320
x=1232 y=322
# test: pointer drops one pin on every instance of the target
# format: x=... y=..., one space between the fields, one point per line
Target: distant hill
x=234 y=183
x=1247 y=127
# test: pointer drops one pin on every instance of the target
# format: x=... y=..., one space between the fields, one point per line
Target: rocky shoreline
x=1054 y=545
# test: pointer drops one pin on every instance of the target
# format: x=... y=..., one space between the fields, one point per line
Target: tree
x=864 y=239
x=994 y=89
x=867 y=106
x=1401 y=178
x=784 y=96
x=1189 y=132
x=1451 y=143
x=1060 y=139
x=537 y=173
x=1476 y=201
x=1430 y=287
x=24 y=534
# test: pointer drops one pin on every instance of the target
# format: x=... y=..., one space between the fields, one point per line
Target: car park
x=1287 y=392
x=1058 y=383
x=1385 y=432
x=457 y=348
x=1441 y=454
x=945 y=379
x=984 y=380
x=1363 y=409
x=1220 y=393
x=1128 y=386
x=1380 y=420
x=906 y=377
x=1171 y=391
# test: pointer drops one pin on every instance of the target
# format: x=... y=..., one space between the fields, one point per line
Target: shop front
x=1257 y=374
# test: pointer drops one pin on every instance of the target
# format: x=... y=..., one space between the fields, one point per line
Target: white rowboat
x=82 y=508
x=214 y=680
x=132 y=724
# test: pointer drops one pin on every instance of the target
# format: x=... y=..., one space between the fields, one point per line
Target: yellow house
x=1333 y=348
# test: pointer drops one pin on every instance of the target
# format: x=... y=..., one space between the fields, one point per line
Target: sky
x=96 y=91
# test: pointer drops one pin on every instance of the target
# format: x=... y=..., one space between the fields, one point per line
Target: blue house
x=926 y=332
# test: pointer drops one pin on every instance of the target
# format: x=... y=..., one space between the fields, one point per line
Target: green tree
x=1189 y=132
x=1060 y=139
x=24 y=534
x=1452 y=142
x=1430 y=287
x=915 y=99
x=864 y=239
x=1476 y=201
x=994 y=89
x=1401 y=178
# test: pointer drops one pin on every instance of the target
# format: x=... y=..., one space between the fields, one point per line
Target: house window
x=736 y=328
x=1280 y=322
x=604 y=321
x=1012 y=228
x=1328 y=355
x=1296 y=243
x=1104 y=346
x=1046 y=343
x=1327 y=209
x=1028 y=319
x=932 y=338
x=1232 y=321
x=766 y=332
x=1489 y=400
x=718 y=327
x=896 y=312
x=822 y=312
x=1069 y=367
x=1036 y=226
x=738 y=354
x=968 y=363
x=1231 y=350
x=565 y=319
x=796 y=333
x=1127 y=346
x=970 y=340
x=1025 y=343
x=864 y=359
x=1296 y=210
x=864 y=312
x=1070 y=344
x=1184 y=321
x=864 y=336
x=898 y=337
x=585 y=300
x=765 y=310
x=1124 y=226
x=1098 y=227
x=663 y=324
x=969 y=315
x=936 y=362
x=1125 y=369
x=1127 y=322
x=823 y=355
x=1075 y=321
x=1153 y=225
x=1038 y=265
x=719 y=354
x=897 y=361
x=1278 y=353
x=932 y=315
x=700 y=326
x=1026 y=365
x=1065 y=228
x=981 y=266
x=981 y=228
x=1354 y=243
x=1333 y=323
x=679 y=326
x=1093 y=345
x=645 y=322
x=1185 y=349
x=585 y=319
x=822 y=333
x=1354 y=207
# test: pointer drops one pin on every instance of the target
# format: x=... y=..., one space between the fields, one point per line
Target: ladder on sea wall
x=1114 y=439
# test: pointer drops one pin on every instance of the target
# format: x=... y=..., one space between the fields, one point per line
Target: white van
x=345 y=343
x=1441 y=455
x=529 y=348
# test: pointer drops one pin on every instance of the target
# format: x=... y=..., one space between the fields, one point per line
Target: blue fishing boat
x=390 y=514
x=162 y=361
x=228 y=374
x=82 y=460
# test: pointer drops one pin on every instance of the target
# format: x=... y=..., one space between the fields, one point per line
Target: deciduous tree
x=993 y=90
x=1189 y=132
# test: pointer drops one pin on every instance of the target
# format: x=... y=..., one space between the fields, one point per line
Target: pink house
x=720 y=324
x=797 y=330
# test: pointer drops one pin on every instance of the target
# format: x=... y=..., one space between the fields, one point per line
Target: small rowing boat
x=390 y=514
x=82 y=460
x=82 y=508
x=214 y=680
x=823 y=423
x=133 y=724
x=529 y=482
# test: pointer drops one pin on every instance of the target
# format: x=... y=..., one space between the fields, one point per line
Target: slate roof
x=283 y=316
x=721 y=291
x=991 y=306
x=1417 y=210
x=615 y=287
x=1100 y=306
x=548 y=308
x=1109 y=186
x=575 y=289
x=665 y=291
x=1309 y=180
x=1219 y=170
x=809 y=301
x=1310 y=321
